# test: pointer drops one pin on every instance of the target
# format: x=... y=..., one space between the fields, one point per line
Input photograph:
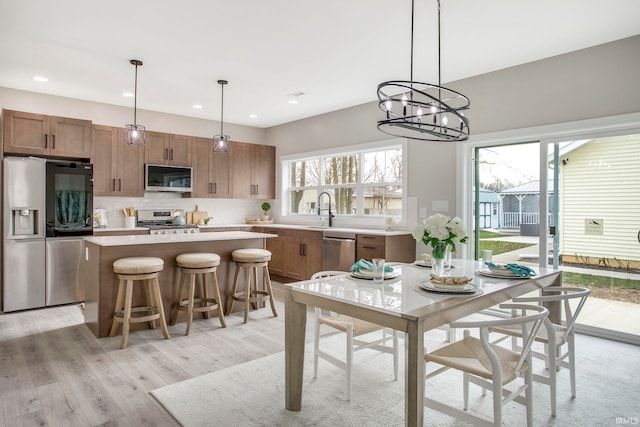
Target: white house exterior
x=599 y=188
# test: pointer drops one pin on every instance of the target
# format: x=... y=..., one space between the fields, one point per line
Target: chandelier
x=423 y=111
x=135 y=132
x=220 y=142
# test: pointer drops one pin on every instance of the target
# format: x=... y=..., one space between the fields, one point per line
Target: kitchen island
x=101 y=283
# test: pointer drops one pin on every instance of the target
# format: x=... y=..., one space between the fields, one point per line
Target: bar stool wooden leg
x=119 y=307
x=247 y=293
x=163 y=321
x=127 y=314
x=234 y=290
x=267 y=284
x=216 y=295
x=205 y=294
x=150 y=299
x=254 y=273
x=174 y=317
x=192 y=290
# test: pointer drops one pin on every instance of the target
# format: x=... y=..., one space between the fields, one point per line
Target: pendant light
x=220 y=142
x=135 y=132
x=423 y=111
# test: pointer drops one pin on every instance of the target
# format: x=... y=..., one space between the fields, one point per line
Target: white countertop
x=373 y=231
x=152 y=239
x=108 y=229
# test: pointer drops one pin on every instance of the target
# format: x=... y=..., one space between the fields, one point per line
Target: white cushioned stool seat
x=198 y=260
x=251 y=255
x=138 y=265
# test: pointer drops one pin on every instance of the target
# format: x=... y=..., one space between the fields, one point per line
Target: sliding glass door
x=573 y=205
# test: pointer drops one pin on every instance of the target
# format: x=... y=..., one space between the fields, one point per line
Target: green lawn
x=498 y=247
x=569 y=279
x=591 y=280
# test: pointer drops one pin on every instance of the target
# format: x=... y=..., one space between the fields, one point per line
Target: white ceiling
x=335 y=51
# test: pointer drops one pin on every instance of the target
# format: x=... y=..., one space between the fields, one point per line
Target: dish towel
x=518 y=270
x=363 y=264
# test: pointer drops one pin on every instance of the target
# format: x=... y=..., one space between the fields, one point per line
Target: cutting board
x=197 y=216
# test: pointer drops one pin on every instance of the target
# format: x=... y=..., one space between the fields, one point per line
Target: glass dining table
x=400 y=303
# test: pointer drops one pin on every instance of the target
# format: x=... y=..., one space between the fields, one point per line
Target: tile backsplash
x=223 y=211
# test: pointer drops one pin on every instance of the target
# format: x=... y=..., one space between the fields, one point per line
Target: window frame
x=359 y=219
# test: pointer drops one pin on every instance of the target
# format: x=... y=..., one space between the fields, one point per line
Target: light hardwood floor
x=55 y=372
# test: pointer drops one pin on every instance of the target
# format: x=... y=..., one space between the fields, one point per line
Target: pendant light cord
x=439 y=79
x=222 y=112
x=412 y=15
x=135 y=98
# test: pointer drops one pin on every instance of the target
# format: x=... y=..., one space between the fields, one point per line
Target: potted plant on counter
x=265 y=208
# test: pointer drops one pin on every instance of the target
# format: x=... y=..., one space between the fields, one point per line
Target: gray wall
x=596 y=82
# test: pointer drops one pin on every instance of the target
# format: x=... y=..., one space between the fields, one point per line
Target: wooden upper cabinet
x=167 y=149
x=104 y=159
x=38 y=134
x=118 y=168
x=253 y=170
x=210 y=170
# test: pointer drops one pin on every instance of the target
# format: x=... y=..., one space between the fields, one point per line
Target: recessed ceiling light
x=127 y=94
x=197 y=106
x=40 y=79
x=253 y=116
x=293 y=101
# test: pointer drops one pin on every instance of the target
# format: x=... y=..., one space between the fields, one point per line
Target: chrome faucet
x=320 y=210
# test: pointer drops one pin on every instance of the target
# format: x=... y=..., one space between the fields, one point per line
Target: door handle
x=53 y=141
x=210 y=188
x=166 y=154
x=45 y=140
x=119 y=184
x=215 y=188
x=171 y=155
x=113 y=184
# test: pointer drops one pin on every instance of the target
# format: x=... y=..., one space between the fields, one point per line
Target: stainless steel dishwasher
x=338 y=250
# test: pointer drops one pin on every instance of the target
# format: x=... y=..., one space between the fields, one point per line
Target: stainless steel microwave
x=168 y=178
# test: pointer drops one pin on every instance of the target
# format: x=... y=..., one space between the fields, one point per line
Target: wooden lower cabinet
x=295 y=254
x=398 y=248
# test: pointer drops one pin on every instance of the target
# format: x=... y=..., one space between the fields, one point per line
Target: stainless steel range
x=165 y=221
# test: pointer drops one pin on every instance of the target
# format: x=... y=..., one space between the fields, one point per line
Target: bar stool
x=250 y=260
x=191 y=265
x=130 y=270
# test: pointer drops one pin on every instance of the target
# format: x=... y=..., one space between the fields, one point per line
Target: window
x=361 y=183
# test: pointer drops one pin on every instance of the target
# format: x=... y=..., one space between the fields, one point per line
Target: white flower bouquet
x=440 y=231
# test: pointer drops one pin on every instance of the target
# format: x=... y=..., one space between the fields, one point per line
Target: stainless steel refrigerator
x=23 y=280
x=47 y=211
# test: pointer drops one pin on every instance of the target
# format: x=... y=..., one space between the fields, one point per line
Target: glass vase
x=438 y=256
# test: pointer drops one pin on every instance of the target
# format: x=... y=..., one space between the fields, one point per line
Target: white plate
x=489 y=273
x=365 y=274
x=441 y=287
x=423 y=264
x=432 y=287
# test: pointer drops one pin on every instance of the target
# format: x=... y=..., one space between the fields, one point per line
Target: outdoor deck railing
x=514 y=219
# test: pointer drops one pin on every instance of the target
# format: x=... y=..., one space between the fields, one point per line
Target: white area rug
x=252 y=394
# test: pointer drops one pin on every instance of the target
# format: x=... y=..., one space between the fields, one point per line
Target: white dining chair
x=353 y=328
x=555 y=336
x=490 y=366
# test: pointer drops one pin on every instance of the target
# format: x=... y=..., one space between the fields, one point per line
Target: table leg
x=414 y=381
x=295 y=323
